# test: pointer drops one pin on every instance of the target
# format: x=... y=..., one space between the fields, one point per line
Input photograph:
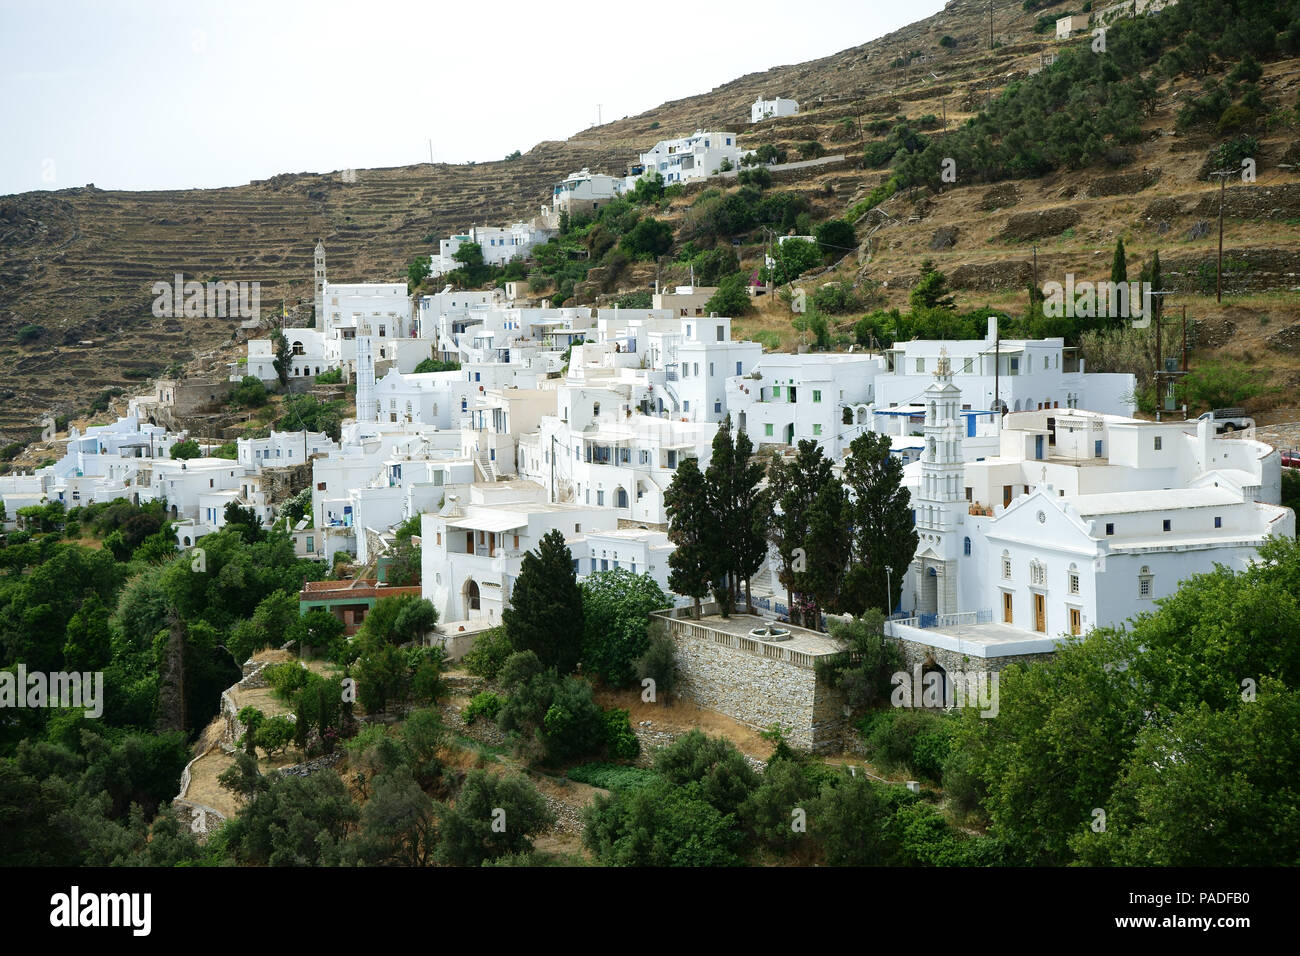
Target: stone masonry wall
x=914 y=653
x=760 y=692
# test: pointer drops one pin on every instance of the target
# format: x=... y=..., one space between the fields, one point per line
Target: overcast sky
x=166 y=95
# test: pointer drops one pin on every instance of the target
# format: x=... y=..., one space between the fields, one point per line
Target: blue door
x=1038 y=446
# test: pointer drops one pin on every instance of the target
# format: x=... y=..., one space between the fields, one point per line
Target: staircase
x=487 y=467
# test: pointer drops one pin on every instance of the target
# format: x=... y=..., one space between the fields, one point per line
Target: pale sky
x=175 y=95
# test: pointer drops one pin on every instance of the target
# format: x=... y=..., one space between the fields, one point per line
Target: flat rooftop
x=993 y=639
x=801 y=639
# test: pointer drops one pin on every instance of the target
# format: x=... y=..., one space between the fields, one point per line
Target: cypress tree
x=692 y=528
x=883 y=533
x=545 y=613
x=1119 y=265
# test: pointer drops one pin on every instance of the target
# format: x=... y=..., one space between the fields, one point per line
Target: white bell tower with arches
x=941 y=502
x=318 y=276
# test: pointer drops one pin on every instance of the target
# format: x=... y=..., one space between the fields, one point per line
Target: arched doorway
x=929 y=596
x=620 y=498
x=471 y=596
x=936 y=691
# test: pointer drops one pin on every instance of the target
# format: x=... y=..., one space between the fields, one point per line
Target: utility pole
x=430 y=152
x=1035 y=267
x=1223 y=175
x=997 y=363
x=1160 y=364
x=990 y=24
x=1184 y=338
x=598 y=121
x=552 y=469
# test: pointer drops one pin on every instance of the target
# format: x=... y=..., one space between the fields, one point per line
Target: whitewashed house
x=689 y=158
x=500 y=245
x=788 y=398
x=584 y=192
x=766 y=109
x=472 y=548
x=1024 y=374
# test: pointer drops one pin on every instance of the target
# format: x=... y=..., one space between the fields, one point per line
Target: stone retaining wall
x=759 y=691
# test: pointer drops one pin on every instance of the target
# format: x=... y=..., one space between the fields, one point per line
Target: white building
x=1066 y=26
x=500 y=245
x=384 y=305
x=307 y=357
x=584 y=192
x=600 y=449
x=689 y=158
x=637 y=550
x=791 y=398
x=281 y=449
x=1024 y=374
x=472 y=548
x=1078 y=525
x=766 y=109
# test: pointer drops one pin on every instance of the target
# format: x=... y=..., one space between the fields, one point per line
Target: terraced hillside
x=80 y=262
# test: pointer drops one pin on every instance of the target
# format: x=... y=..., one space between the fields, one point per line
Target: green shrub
x=486 y=704
x=620 y=740
x=285 y=678
x=489 y=653
x=274 y=735
x=610 y=776
x=917 y=739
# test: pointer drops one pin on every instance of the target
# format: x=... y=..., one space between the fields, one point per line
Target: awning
x=490 y=522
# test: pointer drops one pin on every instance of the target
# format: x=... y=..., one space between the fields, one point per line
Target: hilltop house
x=688 y=158
x=765 y=109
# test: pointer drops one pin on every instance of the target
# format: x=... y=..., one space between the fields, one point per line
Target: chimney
x=993 y=330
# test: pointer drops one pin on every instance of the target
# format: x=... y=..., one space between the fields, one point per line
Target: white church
x=1081 y=520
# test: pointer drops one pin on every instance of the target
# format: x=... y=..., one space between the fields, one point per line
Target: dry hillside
x=80 y=262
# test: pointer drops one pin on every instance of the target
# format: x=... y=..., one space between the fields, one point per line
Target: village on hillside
x=554 y=518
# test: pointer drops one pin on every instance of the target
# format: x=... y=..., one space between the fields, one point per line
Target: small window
x=817 y=429
x=1218 y=521
x=817 y=395
x=1110 y=528
x=965 y=548
x=767 y=430
x=1074 y=582
x=776 y=391
x=1006 y=566
x=920 y=365
x=1167 y=524
x=1157 y=443
x=1144 y=582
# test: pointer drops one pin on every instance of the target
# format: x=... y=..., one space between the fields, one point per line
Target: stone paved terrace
x=800 y=649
